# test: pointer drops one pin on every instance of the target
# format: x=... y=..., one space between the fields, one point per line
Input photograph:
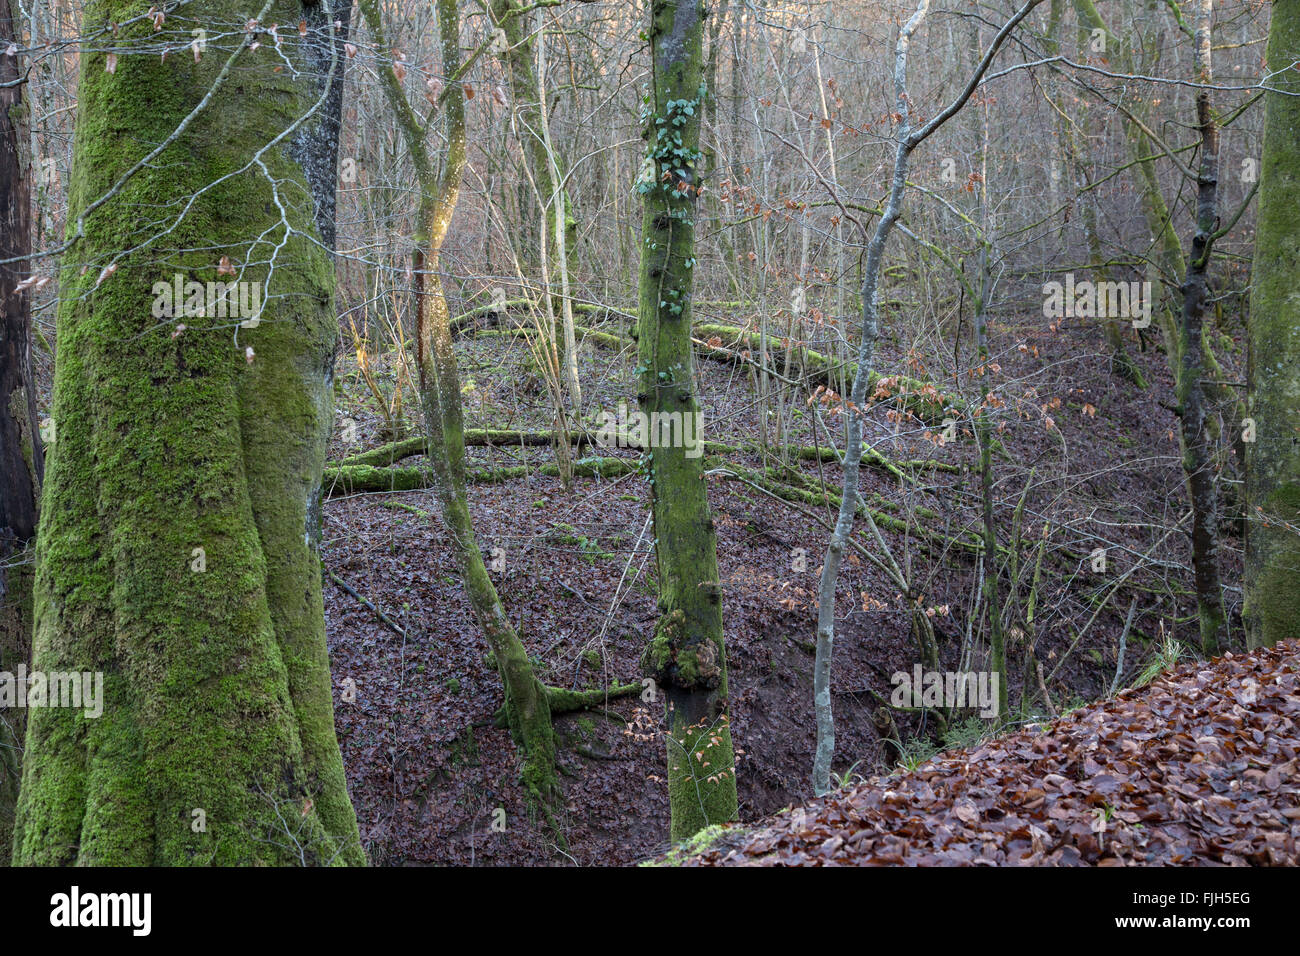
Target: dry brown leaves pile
x=1199 y=768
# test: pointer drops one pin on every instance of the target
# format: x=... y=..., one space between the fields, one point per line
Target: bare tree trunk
x=909 y=137
x=560 y=229
x=997 y=641
x=1073 y=127
x=825 y=647
x=525 y=77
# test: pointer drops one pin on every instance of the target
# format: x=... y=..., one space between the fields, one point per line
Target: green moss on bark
x=1272 y=572
x=696 y=844
x=217 y=741
x=687 y=652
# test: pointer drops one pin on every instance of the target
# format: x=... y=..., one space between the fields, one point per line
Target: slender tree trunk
x=1073 y=127
x=1168 y=250
x=525 y=82
x=1272 y=577
x=527 y=705
x=825 y=646
x=216 y=742
x=1197 y=447
x=1169 y=259
x=22 y=457
x=717 y=15
x=909 y=137
x=563 y=229
x=686 y=656
x=992 y=603
x=1190 y=358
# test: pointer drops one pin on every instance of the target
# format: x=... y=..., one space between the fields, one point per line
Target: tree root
x=566 y=701
x=563 y=701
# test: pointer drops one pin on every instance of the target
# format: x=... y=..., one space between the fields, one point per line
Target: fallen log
x=920 y=398
x=476 y=437
x=505 y=438
x=348 y=479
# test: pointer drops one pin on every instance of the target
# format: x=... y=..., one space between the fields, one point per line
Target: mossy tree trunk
x=983 y=418
x=1191 y=359
x=686 y=655
x=22 y=457
x=216 y=744
x=1272 y=575
x=527 y=706
x=1198 y=464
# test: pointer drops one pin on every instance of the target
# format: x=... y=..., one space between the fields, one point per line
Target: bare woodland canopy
x=544 y=430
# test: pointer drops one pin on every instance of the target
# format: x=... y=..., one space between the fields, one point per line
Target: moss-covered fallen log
x=581 y=332
x=920 y=398
x=798 y=479
x=898 y=468
x=348 y=479
x=781 y=487
x=505 y=438
x=476 y=437
x=768 y=481
x=490 y=316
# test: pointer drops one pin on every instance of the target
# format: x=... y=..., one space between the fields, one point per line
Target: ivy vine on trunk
x=686 y=656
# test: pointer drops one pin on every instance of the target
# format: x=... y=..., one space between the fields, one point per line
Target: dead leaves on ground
x=1199 y=768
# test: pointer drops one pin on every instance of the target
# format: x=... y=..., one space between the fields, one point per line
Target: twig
x=1042 y=686
x=378 y=613
x=1123 y=638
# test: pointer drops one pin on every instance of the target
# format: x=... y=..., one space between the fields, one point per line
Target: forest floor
x=1198 y=768
x=428 y=770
